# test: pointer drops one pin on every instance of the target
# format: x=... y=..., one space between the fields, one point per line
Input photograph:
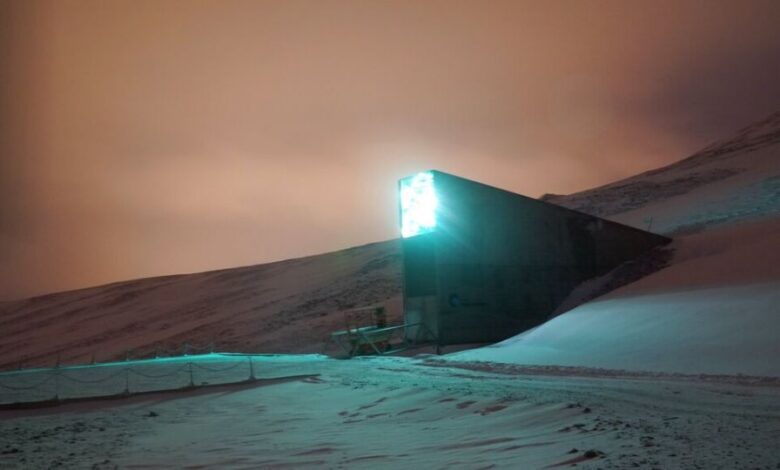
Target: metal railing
x=380 y=341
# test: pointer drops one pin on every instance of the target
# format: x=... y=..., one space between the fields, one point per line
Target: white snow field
x=411 y=413
x=679 y=369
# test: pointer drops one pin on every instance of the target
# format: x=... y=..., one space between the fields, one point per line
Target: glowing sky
x=141 y=138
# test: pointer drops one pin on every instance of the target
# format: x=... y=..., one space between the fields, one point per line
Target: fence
x=157 y=351
x=65 y=383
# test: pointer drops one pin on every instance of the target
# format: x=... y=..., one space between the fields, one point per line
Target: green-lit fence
x=66 y=383
x=156 y=351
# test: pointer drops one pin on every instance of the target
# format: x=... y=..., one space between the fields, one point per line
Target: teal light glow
x=418 y=204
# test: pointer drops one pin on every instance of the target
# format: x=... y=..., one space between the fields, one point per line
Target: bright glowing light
x=418 y=204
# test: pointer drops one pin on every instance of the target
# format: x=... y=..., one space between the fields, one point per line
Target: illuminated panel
x=418 y=204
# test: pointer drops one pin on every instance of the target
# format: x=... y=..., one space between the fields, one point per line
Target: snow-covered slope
x=288 y=306
x=715 y=310
x=716 y=307
x=731 y=180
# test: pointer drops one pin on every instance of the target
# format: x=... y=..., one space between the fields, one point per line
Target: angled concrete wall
x=499 y=263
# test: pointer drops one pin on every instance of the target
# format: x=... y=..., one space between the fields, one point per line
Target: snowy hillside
x=716 y=307
x=289 y=306
x=734 y=179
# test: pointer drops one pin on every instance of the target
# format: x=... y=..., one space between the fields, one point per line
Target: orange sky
x=140 y=138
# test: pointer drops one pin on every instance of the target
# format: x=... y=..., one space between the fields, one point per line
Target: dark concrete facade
x=498 y=263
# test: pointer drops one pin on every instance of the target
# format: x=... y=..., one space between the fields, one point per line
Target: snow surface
x=410 y=413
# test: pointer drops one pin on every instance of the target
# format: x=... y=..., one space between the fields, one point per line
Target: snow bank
x=715 y=310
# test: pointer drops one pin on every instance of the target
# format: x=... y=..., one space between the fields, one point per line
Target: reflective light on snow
x=418 y=204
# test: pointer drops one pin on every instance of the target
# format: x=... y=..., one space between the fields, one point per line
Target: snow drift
x=716 y=308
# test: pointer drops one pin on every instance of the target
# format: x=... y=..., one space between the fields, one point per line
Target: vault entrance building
x=482 y=264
